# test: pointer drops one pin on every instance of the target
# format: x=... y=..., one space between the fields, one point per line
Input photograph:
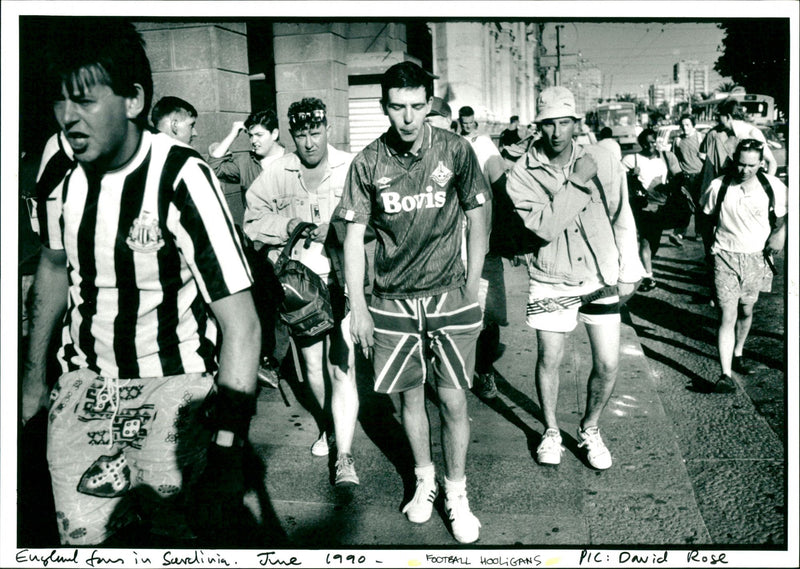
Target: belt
x=540 y=305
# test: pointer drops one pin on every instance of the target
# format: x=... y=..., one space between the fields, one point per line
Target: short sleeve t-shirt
x=148 y=247
x=687 y=150
x=744 y=216
x=649 y=168
x=415 y=204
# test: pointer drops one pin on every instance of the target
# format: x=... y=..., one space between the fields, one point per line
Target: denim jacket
x=279 y=194
x=584 y=239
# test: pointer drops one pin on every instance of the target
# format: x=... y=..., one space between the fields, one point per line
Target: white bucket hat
x=555 y=103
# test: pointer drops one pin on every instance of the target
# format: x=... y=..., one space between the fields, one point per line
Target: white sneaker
x=345 y=471
x=550 y=449
x=321 y=446
x=597 y=453
x=466 y=527
x=420 y=508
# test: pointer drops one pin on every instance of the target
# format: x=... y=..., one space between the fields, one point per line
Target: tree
x=756 y=56
x=726 y=87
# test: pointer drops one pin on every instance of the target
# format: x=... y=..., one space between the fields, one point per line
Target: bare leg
x=646 y=257
x=344 y=395
x=548 y=362
x=315 y=375
x=743 y=323
x=726 y=337
x=455 y=431
x=415 y=423
x=604 y=341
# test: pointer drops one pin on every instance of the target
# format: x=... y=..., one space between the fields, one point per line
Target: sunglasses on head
x=751 y=144
x=302 y=117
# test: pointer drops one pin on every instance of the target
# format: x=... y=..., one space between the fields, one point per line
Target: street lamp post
x=558 y=54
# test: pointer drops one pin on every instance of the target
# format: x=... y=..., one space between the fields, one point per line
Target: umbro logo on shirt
x=145 y=234
x=383 y=183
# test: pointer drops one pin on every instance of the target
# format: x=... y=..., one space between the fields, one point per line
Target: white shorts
x=559 y=308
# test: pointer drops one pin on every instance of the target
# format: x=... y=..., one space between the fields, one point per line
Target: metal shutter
x=367 y=121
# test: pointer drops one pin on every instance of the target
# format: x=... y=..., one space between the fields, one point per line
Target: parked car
x=777 y=144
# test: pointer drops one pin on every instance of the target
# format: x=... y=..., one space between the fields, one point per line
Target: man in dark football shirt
x=414 y=185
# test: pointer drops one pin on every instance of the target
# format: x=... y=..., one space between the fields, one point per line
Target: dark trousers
x=494 y=315
x=692 y=183
x=267 y=293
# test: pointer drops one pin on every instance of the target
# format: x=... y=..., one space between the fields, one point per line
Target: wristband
x=233 y=411
x=227 y=439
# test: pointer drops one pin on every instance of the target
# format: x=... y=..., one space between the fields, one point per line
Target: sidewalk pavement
x=646 y=498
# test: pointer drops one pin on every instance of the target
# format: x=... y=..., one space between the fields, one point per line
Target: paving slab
x=646 y=497
x=723 y=484
x=644 y=519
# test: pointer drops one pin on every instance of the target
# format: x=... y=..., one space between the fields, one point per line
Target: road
x=691 y=467
x=733 y=446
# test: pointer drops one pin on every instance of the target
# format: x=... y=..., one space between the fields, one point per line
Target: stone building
x=490 y=66
x=228 y=69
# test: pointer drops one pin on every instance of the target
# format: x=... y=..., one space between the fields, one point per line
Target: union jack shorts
x=442 y=329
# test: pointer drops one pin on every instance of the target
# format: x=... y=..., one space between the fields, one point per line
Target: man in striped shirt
x=138 y=245
x=414 y=185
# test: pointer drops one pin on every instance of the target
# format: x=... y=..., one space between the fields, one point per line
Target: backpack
x=723 y=189
x=306 y=303
x=711 y=220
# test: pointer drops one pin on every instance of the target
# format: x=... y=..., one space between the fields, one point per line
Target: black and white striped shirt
x=148 y=246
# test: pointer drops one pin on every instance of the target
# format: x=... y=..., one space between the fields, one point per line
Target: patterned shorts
x=410 y=332
x=106 y=437
x=559 y=308
x=739 y=277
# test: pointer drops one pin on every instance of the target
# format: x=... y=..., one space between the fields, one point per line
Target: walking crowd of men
x=166 y=313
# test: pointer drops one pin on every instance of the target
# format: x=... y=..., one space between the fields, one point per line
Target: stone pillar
x=204 y=63
x=311 y=61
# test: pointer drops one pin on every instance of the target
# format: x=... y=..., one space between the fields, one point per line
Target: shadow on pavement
x=377 y=416
x=202 y=514
x=661 y=314
x=521 y=401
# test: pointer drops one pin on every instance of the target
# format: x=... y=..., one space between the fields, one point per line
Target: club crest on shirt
x=441 y=175
x=383 y=183
x=144 y=235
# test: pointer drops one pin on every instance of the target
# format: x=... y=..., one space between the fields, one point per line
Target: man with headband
x=305 y=186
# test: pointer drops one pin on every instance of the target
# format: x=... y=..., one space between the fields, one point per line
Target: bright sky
x=632 y=56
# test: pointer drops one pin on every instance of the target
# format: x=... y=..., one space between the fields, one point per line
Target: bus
x=758 y=109
x=620 y=116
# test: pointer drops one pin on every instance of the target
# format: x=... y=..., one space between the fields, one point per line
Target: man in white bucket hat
x=574 y=199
